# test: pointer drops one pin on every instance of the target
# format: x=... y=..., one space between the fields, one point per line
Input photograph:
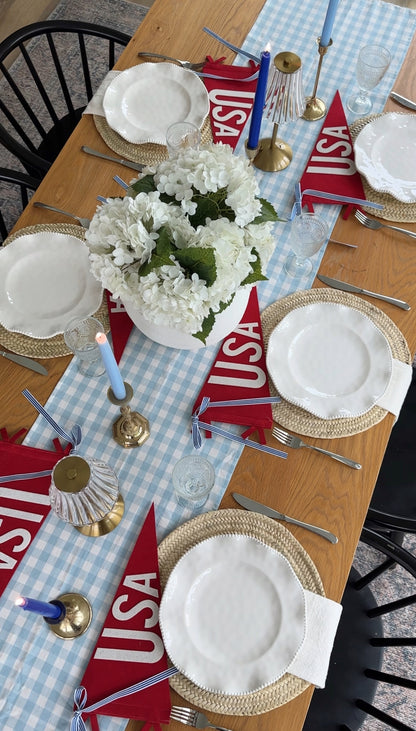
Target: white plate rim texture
x=382 y=146
x=244 y=637
x=307 y=353
x=68 y=257
x=164 y=78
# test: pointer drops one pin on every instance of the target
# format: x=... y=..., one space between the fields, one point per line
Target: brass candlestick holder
x=75 y=618
x=131 y=429
x=284 y=102
x=316 y=108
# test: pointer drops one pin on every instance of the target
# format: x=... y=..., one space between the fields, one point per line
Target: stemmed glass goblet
x=373 y=62
x=308 y=233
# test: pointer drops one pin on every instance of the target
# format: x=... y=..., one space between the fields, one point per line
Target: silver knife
x=26 y=362
x=127 y=163
x=403 y=101
x=346 y=287
x=256 y=507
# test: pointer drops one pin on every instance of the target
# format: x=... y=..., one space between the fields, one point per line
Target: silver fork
x=184 y=64
x=85 y=222
x=295 y=442
x=192 y=718
x=374 y=225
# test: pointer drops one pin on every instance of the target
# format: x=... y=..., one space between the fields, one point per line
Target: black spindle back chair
x=45 y=88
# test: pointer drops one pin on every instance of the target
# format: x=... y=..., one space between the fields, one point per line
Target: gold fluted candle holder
x=75 y=619
x=316 y=108
x=284 y=103
x=131 y=429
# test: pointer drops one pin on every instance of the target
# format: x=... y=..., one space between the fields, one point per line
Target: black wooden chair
x=15 y=189
x=356 y=684
x=44 y=90
x=393 y=504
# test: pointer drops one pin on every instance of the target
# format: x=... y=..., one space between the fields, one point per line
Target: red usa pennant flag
x=130 y=646
x=24 y=504
x=239 y=372
x=331 y=167
x=231 y=99
x=120 y=325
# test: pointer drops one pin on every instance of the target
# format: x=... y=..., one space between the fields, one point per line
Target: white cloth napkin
x=396 y=391
x=95 y=105
x=312 y=659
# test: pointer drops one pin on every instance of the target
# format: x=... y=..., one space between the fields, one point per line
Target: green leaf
x=267 y=212
x=198 y=261
x=207 y=326
x=144 y=185
x=210 y=205
x=209 y=322
x=161 y=253
x=256 y=273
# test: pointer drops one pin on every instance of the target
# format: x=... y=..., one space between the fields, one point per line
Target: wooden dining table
x=317 y=490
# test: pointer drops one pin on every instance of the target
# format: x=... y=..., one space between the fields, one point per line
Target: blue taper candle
x=328 y=23
x=113 y=372
x=259 y=100
x=46 y=609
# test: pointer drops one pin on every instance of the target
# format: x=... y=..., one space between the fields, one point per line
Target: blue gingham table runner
x=39 y=672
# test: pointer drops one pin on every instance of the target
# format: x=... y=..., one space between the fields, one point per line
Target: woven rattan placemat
x=149 y=153
x=55 y=346
x=300 y=421
x=394 y=210
x=181 y=540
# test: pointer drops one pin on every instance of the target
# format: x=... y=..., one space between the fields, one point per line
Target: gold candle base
x=273 y=154
x=76 y=619
x=316 y=108
x=131 y=429
x=72 y=475
x=107 y=523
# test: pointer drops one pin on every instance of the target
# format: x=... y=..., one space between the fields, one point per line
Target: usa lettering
x=341 y=163
x=139 y=644
x=219 y=116
x=247 y=374
x=18 y=538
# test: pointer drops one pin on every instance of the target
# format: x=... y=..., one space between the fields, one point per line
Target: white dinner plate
x=385 y=153
x=45 y=281
x=232 y=614
x=330 y=360
x=142 y=101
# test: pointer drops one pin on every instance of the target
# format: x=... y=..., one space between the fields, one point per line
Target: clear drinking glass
x=182 y=135
x=193 y=478
x=79 y=336
x=373 y=62
x=308 y=233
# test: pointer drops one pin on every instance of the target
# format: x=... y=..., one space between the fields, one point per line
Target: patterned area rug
x=120 y=14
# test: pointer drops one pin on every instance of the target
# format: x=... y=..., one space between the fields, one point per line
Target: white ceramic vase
x=225 y=322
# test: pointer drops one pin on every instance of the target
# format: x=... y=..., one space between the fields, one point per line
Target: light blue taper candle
x=328 y=23
x=113 y=372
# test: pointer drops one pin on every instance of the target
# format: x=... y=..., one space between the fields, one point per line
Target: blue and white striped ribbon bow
x=74 y=436
x=205 y=403
x=80 y=697
x=329 y=196
x=24 y=476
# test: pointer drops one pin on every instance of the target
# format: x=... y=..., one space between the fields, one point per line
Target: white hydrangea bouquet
x=187 y=235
